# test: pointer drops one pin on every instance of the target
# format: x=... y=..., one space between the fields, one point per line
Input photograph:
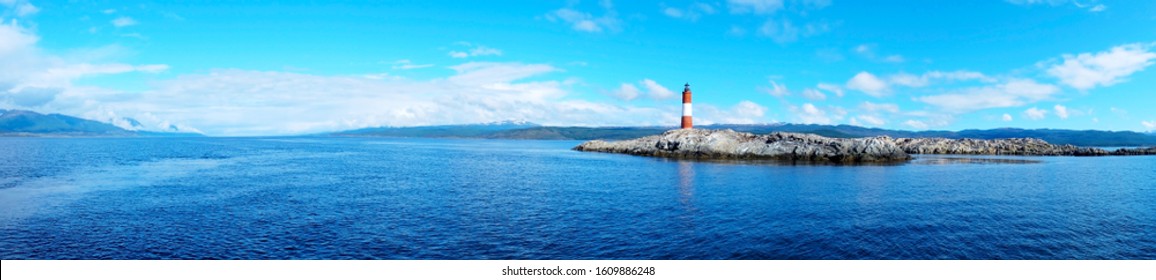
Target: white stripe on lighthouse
x=686 y=109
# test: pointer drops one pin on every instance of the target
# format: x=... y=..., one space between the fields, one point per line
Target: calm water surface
x=352 y=198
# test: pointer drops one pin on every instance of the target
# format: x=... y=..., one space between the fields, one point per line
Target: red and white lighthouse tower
x=686 y=119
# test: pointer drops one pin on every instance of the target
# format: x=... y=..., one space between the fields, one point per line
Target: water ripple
x=348 y=198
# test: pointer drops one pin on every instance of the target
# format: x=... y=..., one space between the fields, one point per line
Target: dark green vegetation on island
x=28 y=123
x=510 y=130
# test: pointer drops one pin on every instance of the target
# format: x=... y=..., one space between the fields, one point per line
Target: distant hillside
x=440 y=131
x=1054 y=136
x=28 y=123
x=577 y=133
x=530 y=131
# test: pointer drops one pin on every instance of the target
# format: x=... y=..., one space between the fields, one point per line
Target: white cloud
x=879 y=87
x=489 y=73
x=781 y=31
x=916 y=124
x=478 y=50
x=32 y=79
x=1033 y=2
x=586 y=22
x=23 y=65
x=627 y=92
x=868 y=52
x=1119 y=112
x=29 y=97
x=745 y=112
x=749 y=109
x=123 y=22
x=776 y=89
x=868 y=83
x=814 y=94
x=1012 y=93
x=1035 y=113
x=376 y=76
x=15 y=39
x=483 y=51
x=20 y=7
x=1091 y=5
x=1086 y=70
x=876 y=107
x=242 y=102
x=759 y=7
x=1007 y=117
x=836 y=89
x=959 y=75
x=1150 y=125
x=108 y=11
x=909 y=80
x=1061 y=111
x=691 y=13
x=656 y=90
x=809 y=114
x=405 y=64
x=870 y=120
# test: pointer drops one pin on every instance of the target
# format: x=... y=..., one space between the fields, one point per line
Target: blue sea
x=388 y=198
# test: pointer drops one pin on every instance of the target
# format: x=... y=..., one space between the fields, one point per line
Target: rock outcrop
x=1134 y=151
x=1011 y=146
x=728 y=144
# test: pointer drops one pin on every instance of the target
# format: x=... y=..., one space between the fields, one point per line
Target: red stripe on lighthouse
x=687 y=121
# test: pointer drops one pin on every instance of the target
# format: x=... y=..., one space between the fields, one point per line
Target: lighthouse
x=686 y=119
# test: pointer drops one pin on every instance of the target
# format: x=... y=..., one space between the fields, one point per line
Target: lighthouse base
x=686 y=122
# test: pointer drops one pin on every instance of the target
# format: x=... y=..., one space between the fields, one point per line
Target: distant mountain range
x=29 y=123
x=485 y=130
x=509 y=130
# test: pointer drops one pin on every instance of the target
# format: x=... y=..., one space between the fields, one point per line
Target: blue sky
x=289 y=67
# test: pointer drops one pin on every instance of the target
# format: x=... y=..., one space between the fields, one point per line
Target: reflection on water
x=784 y=162
x=686 y=184
x=972 y=160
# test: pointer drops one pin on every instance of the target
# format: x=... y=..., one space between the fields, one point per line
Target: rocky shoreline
x=1011 y=146
x=728 y=144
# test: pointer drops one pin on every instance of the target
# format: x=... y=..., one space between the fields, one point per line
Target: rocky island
x=728 y=144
